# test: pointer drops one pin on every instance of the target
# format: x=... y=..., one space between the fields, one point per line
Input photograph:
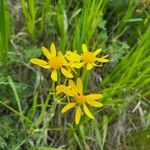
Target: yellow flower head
x=89 y=58
x=55 y=62
x=78 y=99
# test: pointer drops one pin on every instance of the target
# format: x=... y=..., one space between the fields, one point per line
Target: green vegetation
x=30 y=117
x=4 y=32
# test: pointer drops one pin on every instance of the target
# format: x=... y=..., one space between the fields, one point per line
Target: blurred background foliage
x=121 y=28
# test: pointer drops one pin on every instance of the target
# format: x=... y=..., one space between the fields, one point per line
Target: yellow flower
x=90 y=59
x=78 y=99
x=55 y=62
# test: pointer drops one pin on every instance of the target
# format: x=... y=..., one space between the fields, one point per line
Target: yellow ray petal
x=46 y=53
x=87 y=112
x=105 y=56
x=60 y=88
x=93 y=96
x=64 y=89
x=94 y=103
x=68 y=92
x=102 y=60
x=67 y=107
x=66 y=73
x=73 y=56
x=89 y=66
x=95 y=65
x=84 y=48
x=78 y=115
x=45 y=66
x=61 y=56
x=97 y=51
x=79 y=85
x=53 y=49
x=54 y=75
x=77 y=65
x=73 y=87
x=40 y=63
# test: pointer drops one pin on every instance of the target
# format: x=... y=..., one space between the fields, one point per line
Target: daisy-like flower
x=78 y=99
x=55 y=62
x=89 y=58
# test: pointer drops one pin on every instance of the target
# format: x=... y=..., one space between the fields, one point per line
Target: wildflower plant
x=72 y=94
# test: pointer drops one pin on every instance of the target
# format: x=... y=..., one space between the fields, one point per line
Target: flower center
x=56 y=62
x=80 y=99
x=88 y=57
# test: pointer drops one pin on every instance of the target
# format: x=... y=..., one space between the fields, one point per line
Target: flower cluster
x=66 y=64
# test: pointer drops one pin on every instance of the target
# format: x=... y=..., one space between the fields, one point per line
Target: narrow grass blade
x=16 y=112
x=29 y=12
x=18 y=101
x=4 y=32
x=62 y=24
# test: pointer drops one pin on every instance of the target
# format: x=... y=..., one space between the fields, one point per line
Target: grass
x=29 y=12
x=28 y=107
x=4 y=32
x=86 y=23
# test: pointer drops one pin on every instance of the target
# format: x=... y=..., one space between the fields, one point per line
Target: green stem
x=32 y=111
x=85 y=78
x=53 y=109
x=83 y=74
x=46 y=103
